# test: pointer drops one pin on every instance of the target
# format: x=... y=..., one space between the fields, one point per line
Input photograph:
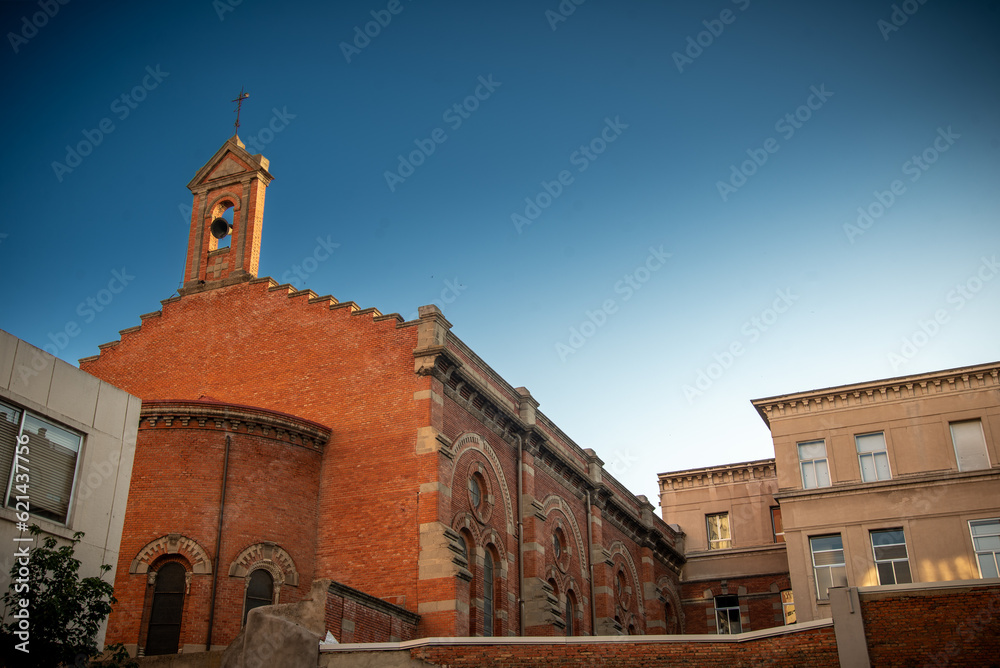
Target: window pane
x=870 y=442
x=828 y=558
x=988 y=543
x=902 y=572
x=826 y=543
x=10 y=423
x=970 y=445
x=52 y=460
x=808 y=475
x=886 y=575
x=888 y=537
x=988 y=565
x=812 y=450
x=882 y=466
x=822 y=474
x=985 y=527
x=868 y=468
x=885 y=553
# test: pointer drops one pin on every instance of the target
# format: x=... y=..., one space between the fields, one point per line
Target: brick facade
x=385 y=505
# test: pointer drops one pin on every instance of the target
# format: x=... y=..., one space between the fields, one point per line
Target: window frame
x=774 y=525
x=995 y=521
x=825 y=595
x=873 y=454
x=734 y=606
x=891 y=560
x=825 y=460
x=11 y=484
x=717 y=544
x=788 y=606
x=982 y=449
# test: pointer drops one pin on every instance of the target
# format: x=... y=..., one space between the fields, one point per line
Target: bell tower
x=233 y=180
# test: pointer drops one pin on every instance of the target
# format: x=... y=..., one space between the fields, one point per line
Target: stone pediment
x=231 y=159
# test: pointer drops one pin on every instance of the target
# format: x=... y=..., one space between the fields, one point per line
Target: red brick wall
x=760 y=602
x=176 y=488
x=807 y=649
x=943 y=627
x=354 y=617
x=249 y=345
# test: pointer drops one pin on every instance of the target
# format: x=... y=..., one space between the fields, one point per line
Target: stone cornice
x=878 y=392
x=207 y=414
x=922 y=481
x=727 y=474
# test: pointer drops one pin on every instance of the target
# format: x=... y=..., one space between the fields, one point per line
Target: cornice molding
x=879 y=392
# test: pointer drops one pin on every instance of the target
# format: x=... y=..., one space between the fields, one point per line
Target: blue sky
x=647 y=213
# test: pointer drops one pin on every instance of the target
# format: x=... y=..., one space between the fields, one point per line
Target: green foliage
x=64 y=612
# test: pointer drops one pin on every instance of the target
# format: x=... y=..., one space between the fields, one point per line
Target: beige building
x=880 y=483
x=80 y=434
x=888 y=482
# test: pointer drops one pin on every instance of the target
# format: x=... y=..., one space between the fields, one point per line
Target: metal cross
x=239 y=105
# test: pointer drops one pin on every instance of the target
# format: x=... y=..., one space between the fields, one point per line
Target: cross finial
x=239 y=105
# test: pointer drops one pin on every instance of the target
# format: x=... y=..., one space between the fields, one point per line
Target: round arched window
x=475 y=491
x=556 y=545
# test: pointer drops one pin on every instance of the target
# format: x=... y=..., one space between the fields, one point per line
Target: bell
x=221 y=228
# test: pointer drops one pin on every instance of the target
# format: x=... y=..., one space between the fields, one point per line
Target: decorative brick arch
x=669 y=594
x=473 y=441
x=553 y=502
x=173 y=543
x=618 y=548
x=269 y=556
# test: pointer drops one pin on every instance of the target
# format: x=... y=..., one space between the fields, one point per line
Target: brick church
x=287 y=437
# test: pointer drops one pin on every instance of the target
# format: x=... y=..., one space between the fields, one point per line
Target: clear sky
x=647 y=213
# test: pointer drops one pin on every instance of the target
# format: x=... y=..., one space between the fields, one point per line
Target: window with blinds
x=970 y=445
x=872 y=458
x=44 y=474
x=829 y=567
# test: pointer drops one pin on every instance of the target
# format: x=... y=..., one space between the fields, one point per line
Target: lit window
x=986 y=541
x=872 y=457
x=828 y=564
x=891 y=560
x=260 y=591
x=718 y=531
x=813 y=464
x=777 y=528
x=970 y=445
x=727 y=614
x=788 y=606
x=41 y=476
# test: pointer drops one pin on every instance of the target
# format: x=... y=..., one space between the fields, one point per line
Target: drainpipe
x=520 y=538
x=590 y=563
x=218 y=547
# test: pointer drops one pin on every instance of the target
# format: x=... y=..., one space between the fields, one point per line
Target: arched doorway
x=168 y=608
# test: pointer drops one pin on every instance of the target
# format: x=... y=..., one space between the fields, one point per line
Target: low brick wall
x=355 y=617
x=947 y=626
x=809 y=645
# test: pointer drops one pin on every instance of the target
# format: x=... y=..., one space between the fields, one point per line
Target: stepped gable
x=350 y=308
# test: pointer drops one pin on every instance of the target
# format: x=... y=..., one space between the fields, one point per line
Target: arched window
x=488 y=589
x=168 y=608
x=570 y=613
x=465 y=544
x=260 y=591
